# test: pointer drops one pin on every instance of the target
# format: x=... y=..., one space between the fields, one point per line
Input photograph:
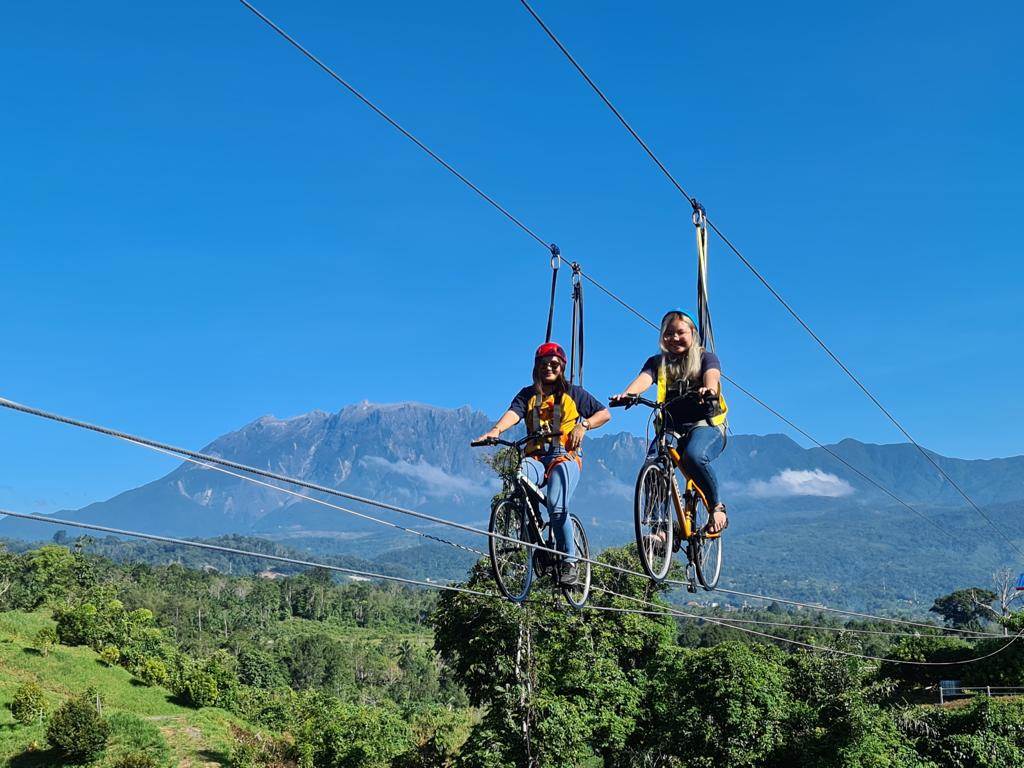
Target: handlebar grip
x=482 y=443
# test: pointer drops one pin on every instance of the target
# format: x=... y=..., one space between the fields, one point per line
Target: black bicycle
x=516 y=524
x=659 y=532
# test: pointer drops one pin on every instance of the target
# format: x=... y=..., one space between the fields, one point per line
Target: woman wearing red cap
x=692 y=375
x=551 y=404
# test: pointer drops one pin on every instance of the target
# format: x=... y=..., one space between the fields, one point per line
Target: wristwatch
x=584 y=423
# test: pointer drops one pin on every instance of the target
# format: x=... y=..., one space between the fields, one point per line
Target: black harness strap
x=576 y=338
x=556 y=258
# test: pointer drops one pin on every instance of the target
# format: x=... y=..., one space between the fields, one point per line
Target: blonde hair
x=686 y=367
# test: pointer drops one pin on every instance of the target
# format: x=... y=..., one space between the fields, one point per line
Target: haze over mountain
x=785 y=500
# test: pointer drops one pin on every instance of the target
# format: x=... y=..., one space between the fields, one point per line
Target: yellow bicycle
x=666 y=517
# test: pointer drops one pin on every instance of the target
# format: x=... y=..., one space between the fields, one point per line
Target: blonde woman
x=692 y=374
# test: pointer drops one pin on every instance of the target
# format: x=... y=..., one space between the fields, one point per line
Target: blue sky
x=199 y=227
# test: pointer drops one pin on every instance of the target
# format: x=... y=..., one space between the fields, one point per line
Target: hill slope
x=141 y=717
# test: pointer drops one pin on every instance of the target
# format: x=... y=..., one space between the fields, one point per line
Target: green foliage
x=110 y=655
x=258 y=750
x=987 y=733
x=44 y=640
x=29 y=704
x=135 y=760
x=330 y=733
x=77 y=729
x=588 y=674
x=965 y=608
x=152 y=672
x=726 y=705
x=258 y=668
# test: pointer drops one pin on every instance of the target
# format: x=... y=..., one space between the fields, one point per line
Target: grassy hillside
x=141 y=717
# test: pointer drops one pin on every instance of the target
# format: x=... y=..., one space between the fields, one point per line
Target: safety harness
x=718 y=417
x=534 y=420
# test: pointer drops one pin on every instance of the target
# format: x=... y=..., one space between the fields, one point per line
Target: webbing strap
x=556 y=258
x=706 y=332
x=576 y=338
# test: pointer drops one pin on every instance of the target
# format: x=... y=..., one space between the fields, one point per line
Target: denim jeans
x=702 y=446
x=561 y=484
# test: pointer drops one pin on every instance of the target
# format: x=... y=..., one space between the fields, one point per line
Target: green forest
x=125 y=664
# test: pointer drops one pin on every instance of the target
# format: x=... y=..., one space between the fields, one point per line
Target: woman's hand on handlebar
x=491 y=434
x=623 y=398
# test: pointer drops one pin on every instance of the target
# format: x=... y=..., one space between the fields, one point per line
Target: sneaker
x=568 y=576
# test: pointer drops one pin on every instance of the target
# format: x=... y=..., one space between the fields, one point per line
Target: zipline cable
x=455 y=588
x=49 y=519
x=551 y=248
x=337 y=507
x=202 y=457
x=811 y=646
x=394 y=124
x=764 y=281
x=313 y=499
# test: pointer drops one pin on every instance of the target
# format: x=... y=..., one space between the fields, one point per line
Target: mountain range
x=788 y=504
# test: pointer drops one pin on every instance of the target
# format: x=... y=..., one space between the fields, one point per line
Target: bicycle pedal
x=691 y=587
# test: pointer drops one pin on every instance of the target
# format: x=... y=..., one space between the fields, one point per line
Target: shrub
x=257 y=750
x=110 y=655
x=28 y=705
x=44 y=640
x=152 y=672
x=78 y=730
x=135 y=760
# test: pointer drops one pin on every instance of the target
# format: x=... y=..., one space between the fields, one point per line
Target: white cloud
x=799 y=482
x=435 y=481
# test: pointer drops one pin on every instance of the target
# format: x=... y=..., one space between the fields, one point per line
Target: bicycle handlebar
x=491 y=441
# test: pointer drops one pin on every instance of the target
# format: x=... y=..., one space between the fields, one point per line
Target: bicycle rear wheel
x=577 y=594
x=705 y=553
x=652 y=516
x=511 y=560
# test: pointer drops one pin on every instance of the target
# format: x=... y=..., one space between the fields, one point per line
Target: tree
x=78 y=730
x=44 y=640
x=1006 y=593
x=726 y=705
x=559 y=688
x=29 y=704
x=965 y=608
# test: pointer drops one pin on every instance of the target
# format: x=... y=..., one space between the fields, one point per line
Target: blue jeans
x=702 y=446
x=561 y=484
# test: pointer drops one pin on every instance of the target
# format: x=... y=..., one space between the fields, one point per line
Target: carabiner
x=700 y=216
x=556 y=256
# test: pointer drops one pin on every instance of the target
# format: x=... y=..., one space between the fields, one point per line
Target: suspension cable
x=664 y=610
x=207 y=458
x=313 y=499
x=479 y=553
x=764 y=281
x=551 y=248
x=800 y=643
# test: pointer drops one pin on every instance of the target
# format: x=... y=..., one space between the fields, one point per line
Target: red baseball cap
x=546 y=350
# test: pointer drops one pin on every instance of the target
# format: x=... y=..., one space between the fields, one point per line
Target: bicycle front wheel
x=577 y=594
x=652 y=515
x=705 y=553
x=511 y=558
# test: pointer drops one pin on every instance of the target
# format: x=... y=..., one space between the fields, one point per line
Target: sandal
x=718 y=508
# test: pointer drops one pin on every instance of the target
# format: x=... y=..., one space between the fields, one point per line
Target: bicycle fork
x=685 y=531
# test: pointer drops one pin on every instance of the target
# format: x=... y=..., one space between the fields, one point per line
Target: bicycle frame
x=518 y=484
